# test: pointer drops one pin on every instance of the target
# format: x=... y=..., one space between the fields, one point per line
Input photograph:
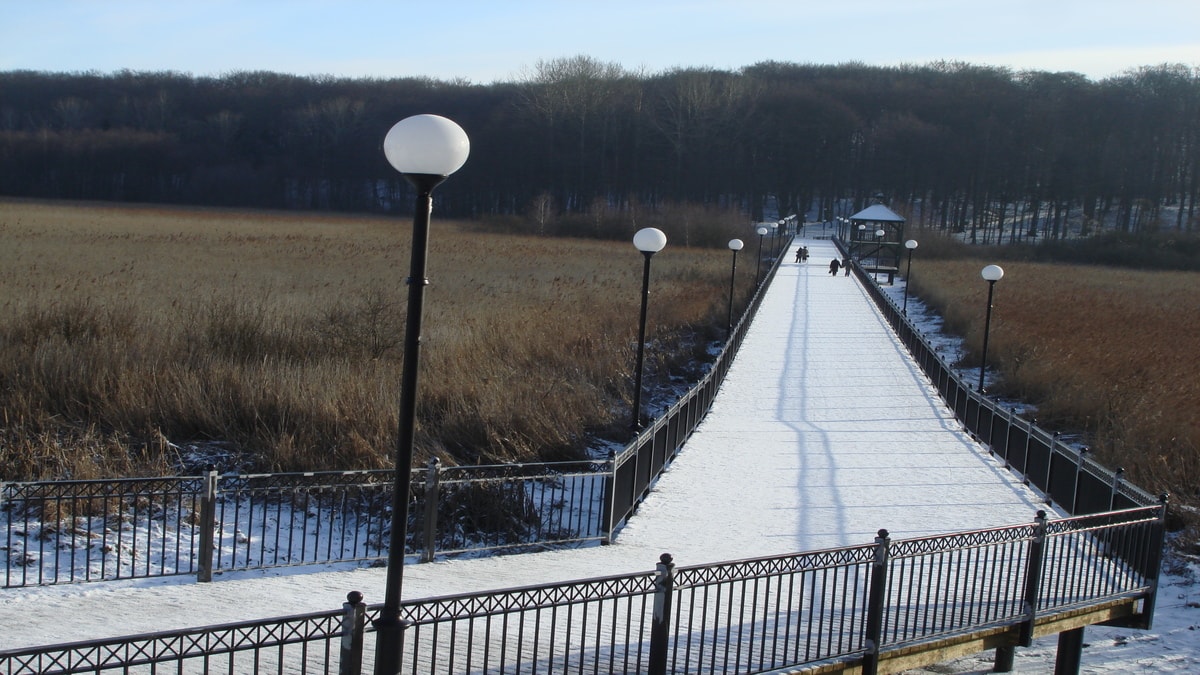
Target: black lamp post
x=762 y=231
x=649 y=241
x=735 y=245
x=425 y=149
x=990 y=274
x=862 y=232
x=878 y=248
x=911 y=245
x=779 y=232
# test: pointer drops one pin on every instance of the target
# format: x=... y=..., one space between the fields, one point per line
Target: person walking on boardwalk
x=833 y=266
x=846 y=266
x=799 y=253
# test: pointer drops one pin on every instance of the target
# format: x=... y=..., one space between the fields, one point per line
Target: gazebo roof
x=878 y=213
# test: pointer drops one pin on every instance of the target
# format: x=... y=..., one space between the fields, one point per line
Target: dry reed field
x=128 y=333
x=1112 y=352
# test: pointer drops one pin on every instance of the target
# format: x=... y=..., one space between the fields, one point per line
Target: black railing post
x=978 y=415
x=1075 y=491
x=660 y=626
x=432 y=477
x=354 y=621
x=1054 y=442
x=876 y=602
x=1025 y=461
x=609 y=507
x=208 y=526
x=1012 y=413
x=1033 y=579
x=1116 y=488
x=1153 y=563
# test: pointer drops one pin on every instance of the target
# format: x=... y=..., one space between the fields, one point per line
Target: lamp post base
x=389 y=645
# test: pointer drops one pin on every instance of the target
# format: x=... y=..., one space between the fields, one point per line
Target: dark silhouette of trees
x=996 y=155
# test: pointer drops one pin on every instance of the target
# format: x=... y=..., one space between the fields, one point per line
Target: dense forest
x=954 y=145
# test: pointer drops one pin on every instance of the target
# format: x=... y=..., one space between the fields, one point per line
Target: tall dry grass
x=128 y=333
x=1112 y=352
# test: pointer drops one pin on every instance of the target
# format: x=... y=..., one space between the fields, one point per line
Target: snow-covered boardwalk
x=823 y=433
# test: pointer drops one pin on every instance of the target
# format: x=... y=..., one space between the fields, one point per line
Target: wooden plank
x=899 y=659
x=1118 y=609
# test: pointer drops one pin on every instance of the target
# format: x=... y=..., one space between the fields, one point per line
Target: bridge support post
x=1004 y=659
x=1070 y=652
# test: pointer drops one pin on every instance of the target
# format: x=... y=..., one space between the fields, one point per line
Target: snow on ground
x=823 y=433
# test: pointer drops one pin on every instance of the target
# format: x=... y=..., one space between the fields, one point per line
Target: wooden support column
x=1004 y=659
x=1070 y=652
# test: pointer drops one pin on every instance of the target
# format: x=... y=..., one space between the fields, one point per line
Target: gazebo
x=876 y=240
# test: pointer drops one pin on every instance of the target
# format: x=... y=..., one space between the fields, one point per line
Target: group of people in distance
x=834 y=265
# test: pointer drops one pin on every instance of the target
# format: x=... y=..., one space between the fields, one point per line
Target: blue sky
x=500 y=40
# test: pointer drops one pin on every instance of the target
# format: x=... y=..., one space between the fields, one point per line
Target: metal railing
x=641 y=462
x=308 y=643
x=93 y=530
x=856 y=606
x=79 y=531
x=1067 y=477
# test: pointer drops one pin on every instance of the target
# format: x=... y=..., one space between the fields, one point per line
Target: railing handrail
x=646 y=447
x=908 y=333
x=1138 y=524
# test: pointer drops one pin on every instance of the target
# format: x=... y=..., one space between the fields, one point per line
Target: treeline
x=953 y=145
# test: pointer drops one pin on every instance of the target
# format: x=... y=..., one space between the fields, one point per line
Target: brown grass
x=126 y=332
x=1112 y=352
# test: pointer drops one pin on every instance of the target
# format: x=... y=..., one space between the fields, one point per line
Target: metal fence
x=641 y=462
x=78 y=531
x=855 y=606
x=92 y=530
x=1068 y=477
x=308 y=643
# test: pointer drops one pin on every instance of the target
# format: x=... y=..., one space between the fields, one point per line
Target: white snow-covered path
x=823 y=433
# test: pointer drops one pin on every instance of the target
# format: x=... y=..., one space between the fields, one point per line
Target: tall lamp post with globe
x=649 y=240
x=911 y=245
x=762 y=232
x=735 y=245
x=878 y=247
x=990 y=274
x=425 y=149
